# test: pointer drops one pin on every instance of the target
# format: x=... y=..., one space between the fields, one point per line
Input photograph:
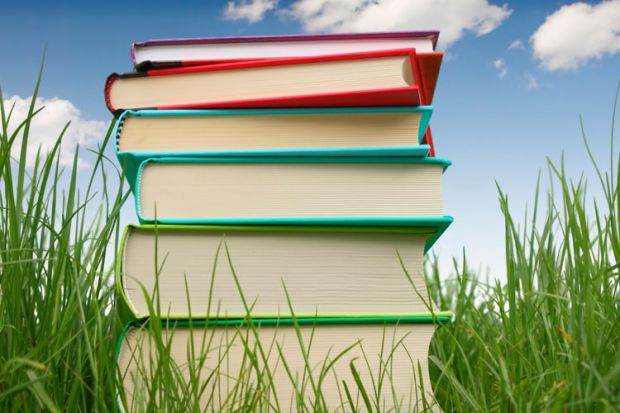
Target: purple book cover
x=430 y=34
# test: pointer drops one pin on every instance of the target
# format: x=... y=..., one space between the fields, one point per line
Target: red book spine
x=428 y=139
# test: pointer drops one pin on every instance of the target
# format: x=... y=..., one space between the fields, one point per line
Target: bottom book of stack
x=283 y=318
x=324 y=364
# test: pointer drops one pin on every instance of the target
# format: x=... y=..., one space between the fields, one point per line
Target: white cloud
x=250 y=10
x=47 y=125
x=453 y=18
x=577 y=33
x=448 y=56
x=532 y=82
x=517 y=44
x=502 y=70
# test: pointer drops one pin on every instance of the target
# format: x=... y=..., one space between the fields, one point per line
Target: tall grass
x=57 y=320
x=549 y=338
x=545 y=340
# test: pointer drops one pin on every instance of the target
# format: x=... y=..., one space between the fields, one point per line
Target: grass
x=545 y=340
x=57 y=322
x=549 y=338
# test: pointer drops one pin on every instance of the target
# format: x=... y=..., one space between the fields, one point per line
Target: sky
x=517 y=77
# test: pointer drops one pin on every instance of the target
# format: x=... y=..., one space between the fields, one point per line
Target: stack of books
x=287 y=190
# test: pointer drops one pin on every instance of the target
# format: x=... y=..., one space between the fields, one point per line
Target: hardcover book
x=376 y=131
x=429 y=64
x=345 y=359
x=329 y=271
x=176 y=52
x=383 y=78
x=286 y=189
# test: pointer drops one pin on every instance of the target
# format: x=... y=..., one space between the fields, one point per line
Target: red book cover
x=169 y=51
x=428 y=139
x=395 y=96
x=429 y=65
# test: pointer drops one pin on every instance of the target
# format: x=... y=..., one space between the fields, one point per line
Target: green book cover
x=398 y=345
x=438 y=318
x=430 y=227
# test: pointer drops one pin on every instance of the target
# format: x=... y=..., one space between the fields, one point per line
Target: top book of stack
x=163 y=53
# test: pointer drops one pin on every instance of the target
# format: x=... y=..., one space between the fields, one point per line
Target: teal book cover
x=131 y=159
x=145 y=191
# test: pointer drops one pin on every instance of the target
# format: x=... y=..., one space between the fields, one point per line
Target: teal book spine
x=130 y=161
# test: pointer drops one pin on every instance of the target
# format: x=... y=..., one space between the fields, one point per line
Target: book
x=383 y=78
x=388 y=355
x=429 y=64
x=259 y=190
x=176 y=52
x=375 y=131
x=330 y=271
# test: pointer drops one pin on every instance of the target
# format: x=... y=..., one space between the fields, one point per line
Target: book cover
x=132 y=159
x=287 y=189
x=429 y=65
x=364 y=273
x=133 y=85
x=390 y=356
x=428 y=140
x=174 y=51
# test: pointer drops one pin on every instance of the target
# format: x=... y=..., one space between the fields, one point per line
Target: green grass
x=57 y=323
x=545 y=340
x=549 y=338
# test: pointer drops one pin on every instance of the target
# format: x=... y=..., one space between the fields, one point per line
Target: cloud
x=577 y=33
x=517 y=44
x=453 y=18
x=532 y=83
x=502 y=70
x=251 y=10
x=47 y=125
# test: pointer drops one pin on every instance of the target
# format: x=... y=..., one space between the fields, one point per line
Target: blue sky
x=516 y=78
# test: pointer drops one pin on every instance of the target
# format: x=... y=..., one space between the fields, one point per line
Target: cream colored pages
x=197 y=191
x=397 y=351
x=325 y=273
x=204 y=133
x=262 y=82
